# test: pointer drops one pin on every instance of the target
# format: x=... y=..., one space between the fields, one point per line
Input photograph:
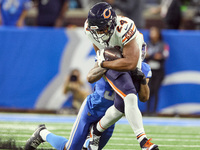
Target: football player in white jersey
x=104 y=28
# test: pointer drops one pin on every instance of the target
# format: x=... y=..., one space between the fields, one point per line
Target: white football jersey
x=124 y=32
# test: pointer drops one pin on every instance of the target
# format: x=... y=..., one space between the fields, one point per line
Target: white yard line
x=121 y=144
x=155 y=139
x=160 y=145
x=121 y=135
x=174 y=121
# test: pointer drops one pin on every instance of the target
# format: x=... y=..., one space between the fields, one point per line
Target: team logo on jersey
x=107 y=13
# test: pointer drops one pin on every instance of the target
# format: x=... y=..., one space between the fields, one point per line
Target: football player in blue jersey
x=92 y=110
x=13 y=12
x=105 y=29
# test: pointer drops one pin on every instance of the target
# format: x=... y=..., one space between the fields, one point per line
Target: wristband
x=102 y=64
x=143 y=81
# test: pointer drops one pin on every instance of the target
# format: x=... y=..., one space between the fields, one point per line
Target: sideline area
x=162 y=121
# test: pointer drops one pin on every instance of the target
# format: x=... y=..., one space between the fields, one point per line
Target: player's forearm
x=120 y=64
x=144 y=91
x=95 y=74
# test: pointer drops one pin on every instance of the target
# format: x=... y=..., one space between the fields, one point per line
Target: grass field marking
x=16 y=135
x=178 y=136
x=160 y=132
x=32 y=127
x=128 y=139
x=189 y=146
x=158 y=135
x=23 y=117
x=155 y=139
x=160 y=145
x=183 y=140
x=115 y=149
x=115 y=134
x=62 y=133
x=167 y=137
x=120 y=136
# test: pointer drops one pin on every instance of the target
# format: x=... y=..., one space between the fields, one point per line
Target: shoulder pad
x=126 y=29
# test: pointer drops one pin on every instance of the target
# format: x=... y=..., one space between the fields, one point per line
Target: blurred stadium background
x=34 y=62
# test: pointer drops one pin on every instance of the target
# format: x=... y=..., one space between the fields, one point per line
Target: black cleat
x=94 y=140
x=35 y=140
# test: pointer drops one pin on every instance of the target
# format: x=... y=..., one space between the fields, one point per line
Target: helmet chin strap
x=101 y=37
x=106 y=40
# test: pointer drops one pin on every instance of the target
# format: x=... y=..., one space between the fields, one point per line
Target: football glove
x=100 y=57
x=138 y=75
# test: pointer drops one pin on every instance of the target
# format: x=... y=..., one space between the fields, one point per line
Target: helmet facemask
x=103 y=34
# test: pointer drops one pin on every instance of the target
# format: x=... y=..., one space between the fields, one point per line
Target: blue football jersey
x=101 y=98
x=11 y=10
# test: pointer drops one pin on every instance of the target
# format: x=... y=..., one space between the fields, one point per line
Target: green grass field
x=167 y=137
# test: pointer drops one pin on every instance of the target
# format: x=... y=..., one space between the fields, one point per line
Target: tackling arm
x=144 y=91
x=95 y=73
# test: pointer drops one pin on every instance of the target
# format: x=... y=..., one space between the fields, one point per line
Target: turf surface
x=167 y=137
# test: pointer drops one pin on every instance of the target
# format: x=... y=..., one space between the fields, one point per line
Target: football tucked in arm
x=112 y=53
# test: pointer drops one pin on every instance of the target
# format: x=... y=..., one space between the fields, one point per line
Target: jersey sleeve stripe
x=124 y=39
x=128 y=34
x=128 y=30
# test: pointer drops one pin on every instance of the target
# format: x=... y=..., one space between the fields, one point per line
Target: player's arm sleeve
x=146 y=69
x=128 y=32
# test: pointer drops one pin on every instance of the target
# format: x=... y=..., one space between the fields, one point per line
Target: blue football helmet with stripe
x=101 y=21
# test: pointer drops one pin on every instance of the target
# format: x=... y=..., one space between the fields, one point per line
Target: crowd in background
x=53 y=13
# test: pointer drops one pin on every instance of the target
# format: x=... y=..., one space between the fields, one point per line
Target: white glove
x=100 y=57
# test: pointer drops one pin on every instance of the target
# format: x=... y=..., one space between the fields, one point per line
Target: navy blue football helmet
x=101 y=21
